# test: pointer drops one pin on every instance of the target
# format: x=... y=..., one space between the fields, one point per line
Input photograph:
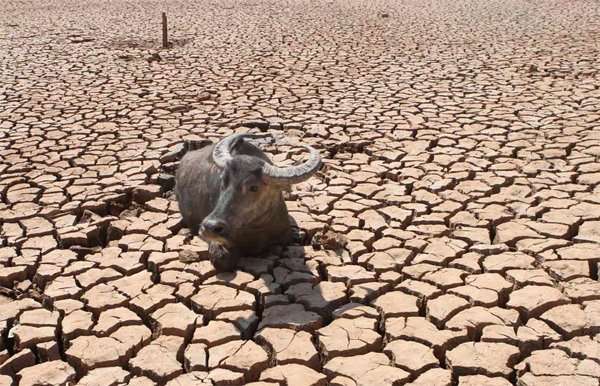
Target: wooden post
x=164 y=31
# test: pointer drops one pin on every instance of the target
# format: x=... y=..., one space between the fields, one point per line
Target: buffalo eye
x=253 y=188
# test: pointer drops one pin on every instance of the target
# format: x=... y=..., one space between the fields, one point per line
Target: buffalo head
x=250 y=212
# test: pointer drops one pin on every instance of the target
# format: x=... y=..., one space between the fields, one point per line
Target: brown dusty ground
x=461 y=142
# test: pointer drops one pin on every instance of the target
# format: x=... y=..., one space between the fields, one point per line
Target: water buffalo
x=231 y=194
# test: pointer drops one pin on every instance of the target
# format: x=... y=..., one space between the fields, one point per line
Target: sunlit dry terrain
x=451 y=237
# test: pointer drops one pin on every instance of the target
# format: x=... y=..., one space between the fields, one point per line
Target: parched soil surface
x=451 y=237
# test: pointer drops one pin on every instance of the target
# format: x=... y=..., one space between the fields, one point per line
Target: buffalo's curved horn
x=221 y=153
x=293 y=174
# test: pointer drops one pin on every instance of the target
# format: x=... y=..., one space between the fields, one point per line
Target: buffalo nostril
x=214 y=227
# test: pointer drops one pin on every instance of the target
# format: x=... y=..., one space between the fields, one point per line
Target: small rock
x=188 y=256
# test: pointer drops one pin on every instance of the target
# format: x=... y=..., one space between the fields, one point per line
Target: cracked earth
x=451 y=237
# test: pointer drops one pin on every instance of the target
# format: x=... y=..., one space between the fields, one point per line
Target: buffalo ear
x=236 y=146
